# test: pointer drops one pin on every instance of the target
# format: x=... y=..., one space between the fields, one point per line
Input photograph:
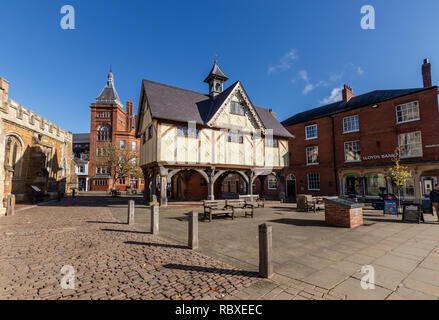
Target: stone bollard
x=154 y=219
x=193 y=230
x=131 y=206
x=265 y=251
x=10 y=210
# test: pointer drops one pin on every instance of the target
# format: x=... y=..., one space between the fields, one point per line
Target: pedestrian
x=434 y=198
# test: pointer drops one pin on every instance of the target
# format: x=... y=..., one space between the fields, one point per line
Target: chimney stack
x=130 y=114
x=272 y=113
x=426 y=73
x=348 y=94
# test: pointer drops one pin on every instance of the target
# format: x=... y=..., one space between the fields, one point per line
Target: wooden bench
x=215 y=208
x=241 y=206
x=260 y=202
x=306 y=202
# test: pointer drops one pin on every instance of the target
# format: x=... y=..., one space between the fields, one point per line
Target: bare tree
x=118 y=162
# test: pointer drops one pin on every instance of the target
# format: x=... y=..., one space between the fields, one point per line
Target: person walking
x=434 y=198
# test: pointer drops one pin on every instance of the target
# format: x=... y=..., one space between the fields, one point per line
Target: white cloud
x=336 y=95
x=360 y=71
x=286 y=62
x=303 y=74
x=308 y=88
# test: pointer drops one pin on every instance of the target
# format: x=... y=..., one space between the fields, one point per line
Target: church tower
x=216 y=79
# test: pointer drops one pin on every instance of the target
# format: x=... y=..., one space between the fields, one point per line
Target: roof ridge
x=346 y=103
x=174 y=87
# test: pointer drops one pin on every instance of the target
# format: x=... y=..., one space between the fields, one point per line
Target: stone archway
x=188 y=184
x=236 y=183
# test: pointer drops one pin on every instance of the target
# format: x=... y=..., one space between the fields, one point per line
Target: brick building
x=347 y=147
x=111 y=123
x=81 y=152
x=35 y=154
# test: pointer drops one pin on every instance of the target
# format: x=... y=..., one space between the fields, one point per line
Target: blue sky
x=289 y=55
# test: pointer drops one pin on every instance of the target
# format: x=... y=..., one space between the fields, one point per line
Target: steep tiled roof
x=367 y=99
x=109 y=94
x=176 y=104
x=216 y=72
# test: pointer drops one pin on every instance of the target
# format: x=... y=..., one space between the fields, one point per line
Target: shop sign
x=379 y=157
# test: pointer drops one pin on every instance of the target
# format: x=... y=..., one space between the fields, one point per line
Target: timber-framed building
x=198 y=146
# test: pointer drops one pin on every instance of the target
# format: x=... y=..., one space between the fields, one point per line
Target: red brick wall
x=120 y=130
x=378 y=135
x=379 y=132
x=325 y=168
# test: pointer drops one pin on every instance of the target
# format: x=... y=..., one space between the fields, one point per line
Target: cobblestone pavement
x=118 y=264
x=115 y=261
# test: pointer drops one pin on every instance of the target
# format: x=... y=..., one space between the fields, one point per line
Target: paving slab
x=421 y=286
x=398 y=263
x=410 y=294
x=385 y=277
x=353 y=291
x=426 y=275
x=326 y=278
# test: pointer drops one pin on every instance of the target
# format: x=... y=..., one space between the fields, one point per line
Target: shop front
x=369 y=184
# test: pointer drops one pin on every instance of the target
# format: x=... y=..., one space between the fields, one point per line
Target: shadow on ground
x=212 y=270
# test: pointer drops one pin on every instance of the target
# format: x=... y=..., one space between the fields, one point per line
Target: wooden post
x=265 y=251
x=154 y=219
x=131 y=206
x=10 y=210
x=163 y=191
x=193 y=230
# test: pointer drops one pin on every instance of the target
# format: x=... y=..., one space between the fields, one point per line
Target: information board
x=412 y=213
x=391 y=207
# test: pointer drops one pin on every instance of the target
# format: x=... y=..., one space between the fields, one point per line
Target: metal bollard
x=193 y=230
x=10 y=210
x=131 y=206
x=265 y=251
x=154 y=219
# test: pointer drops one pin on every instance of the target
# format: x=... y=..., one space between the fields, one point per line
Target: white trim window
x=272 y=183
x=313 y=181
x=352 y=151
x=407 y=112
x=311 y=132
x=312 y=155
x=123 y=144
x=410 y=144
x=351 y=124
